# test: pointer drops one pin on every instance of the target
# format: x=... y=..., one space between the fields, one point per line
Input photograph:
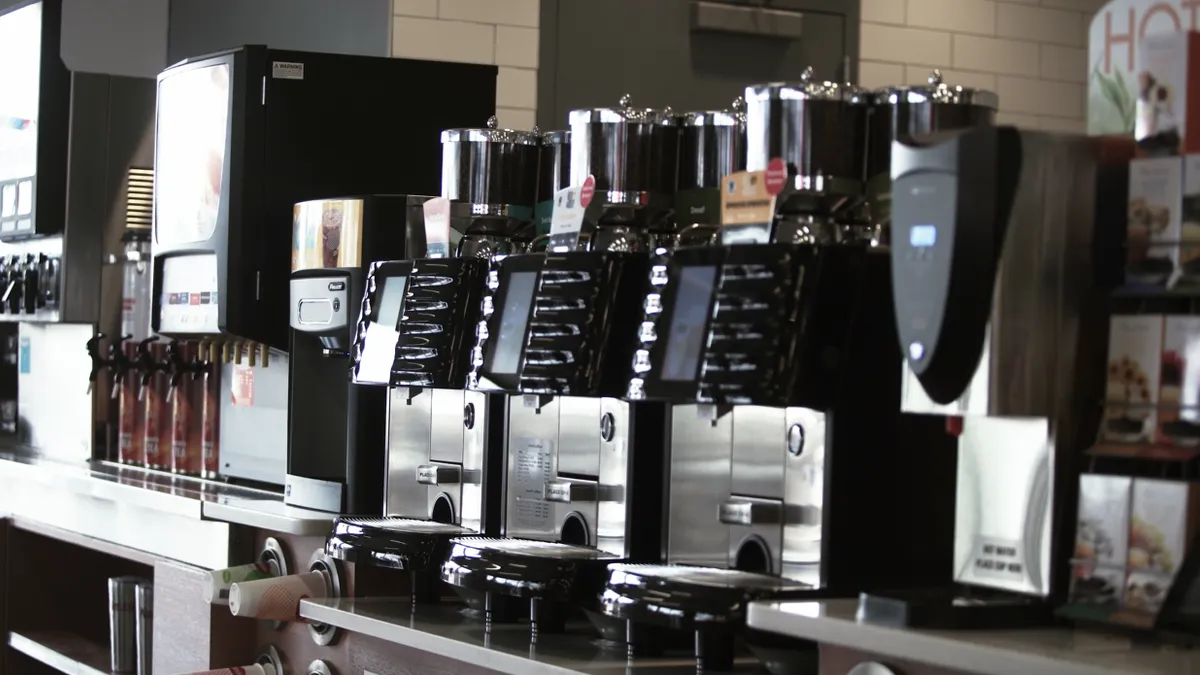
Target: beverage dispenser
x=242 y=137
x=583 y=468
x=775 y=351
x=413 y=346
x=998 y=312
x=336 y=430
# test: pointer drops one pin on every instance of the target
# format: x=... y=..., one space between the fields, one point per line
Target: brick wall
x=496 y=32
x=1033 y=53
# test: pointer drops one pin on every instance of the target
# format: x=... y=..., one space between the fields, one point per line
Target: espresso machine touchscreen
x=688 y=322
x=514 y=319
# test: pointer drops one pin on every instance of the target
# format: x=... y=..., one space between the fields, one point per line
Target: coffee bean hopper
x=583 y=468
x=900 y=113
x=712 y=146
x=416 y=332
x=788 y=454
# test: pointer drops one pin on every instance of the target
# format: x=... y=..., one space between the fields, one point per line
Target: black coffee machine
x=414 y=348
x=335 y=429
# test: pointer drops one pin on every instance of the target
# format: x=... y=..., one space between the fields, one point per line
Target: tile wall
x=1033 y=53
x=498 y=32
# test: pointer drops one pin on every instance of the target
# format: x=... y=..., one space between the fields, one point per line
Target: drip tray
x=407 y=544
x=680 y=596
x=524 y=568
x=709 y=602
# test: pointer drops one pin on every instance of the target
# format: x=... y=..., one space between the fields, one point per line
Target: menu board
x=189 y=156
x=687 y=336
x=514 y=318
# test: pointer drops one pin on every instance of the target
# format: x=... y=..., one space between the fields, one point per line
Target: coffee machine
x=413 y=347
x=995 y=270
x=242 y=137
x=582 y=467
x=335 y=429
x=775 y=349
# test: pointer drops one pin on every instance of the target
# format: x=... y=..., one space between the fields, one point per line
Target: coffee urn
x=998 y=310
x=583 y=467
x=712 y=146
x=415 y=334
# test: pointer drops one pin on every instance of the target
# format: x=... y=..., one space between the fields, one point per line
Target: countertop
x=445 y=631
x=132 y=507
x=1063 y=651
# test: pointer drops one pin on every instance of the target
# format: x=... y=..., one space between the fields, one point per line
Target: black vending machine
x=242 y=136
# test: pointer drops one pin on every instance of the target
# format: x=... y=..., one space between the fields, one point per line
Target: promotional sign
x=566 y=222
x=1113 y=62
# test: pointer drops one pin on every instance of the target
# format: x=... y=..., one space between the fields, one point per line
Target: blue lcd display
x=922 y=236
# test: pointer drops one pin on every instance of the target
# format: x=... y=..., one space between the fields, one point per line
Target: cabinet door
x=593 y=52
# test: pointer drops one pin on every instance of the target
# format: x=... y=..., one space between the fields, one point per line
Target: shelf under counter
x=63 y=652
x=134 y=508
x=1062 y=650
x=443 y=630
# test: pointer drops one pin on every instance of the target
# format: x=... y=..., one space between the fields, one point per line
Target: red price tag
x=776 y=176
x=587 y=191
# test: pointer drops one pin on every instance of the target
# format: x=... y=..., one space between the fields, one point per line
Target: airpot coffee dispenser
x=413 y=346
x=997 y=309
x=583 y=468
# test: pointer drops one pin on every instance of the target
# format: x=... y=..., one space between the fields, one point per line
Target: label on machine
x=437 y=227
x=748 y=204
x=533 y=463
x=566 y=222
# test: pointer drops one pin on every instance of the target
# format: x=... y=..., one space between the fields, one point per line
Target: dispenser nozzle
x=264 y=355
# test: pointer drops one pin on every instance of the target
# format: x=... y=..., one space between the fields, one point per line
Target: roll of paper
x=256 y=669
x=217 y=582
x=276 y=599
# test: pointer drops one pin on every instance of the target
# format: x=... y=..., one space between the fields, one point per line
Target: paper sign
x=567 y=219
x=242 y=385
x=747 y=208
x=437 y=228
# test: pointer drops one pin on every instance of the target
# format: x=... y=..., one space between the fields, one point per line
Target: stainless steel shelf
x=1062 y=651
x=444 y=631
x=63 y=652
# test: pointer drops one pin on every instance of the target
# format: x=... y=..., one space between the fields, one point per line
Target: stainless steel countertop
x=1062 y=651
x=133 y=507
x=444 y=631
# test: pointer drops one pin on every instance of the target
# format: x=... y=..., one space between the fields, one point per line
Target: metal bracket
x=760 y=21
x=321 y=633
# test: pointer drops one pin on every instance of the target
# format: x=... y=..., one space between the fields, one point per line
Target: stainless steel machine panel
x=410 y=417
x=474 y=449
x=758 y=450
x=578 y=435
x=531 y=461
x=700 y=470
x=803 y=495
x=612 y=508
x=446 y=430
x=1003 y=524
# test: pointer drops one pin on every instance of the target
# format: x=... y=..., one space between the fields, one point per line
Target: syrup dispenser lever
x=147 y=365
x=120 y=363
x=98 y=360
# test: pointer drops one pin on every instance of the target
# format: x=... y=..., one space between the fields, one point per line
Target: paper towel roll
x=217 y=582
x=276 y=599
x=256 y=669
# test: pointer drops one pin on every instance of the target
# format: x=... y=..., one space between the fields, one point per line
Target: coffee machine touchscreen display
x=686 y=336
x=391 y=302
x=514 y=318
